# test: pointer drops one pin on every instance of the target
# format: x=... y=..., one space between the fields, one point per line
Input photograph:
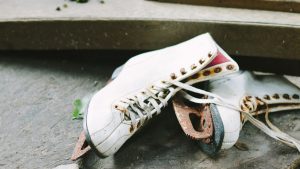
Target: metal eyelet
x=296 y=96
x=206 y=73
x=182 y=71
x=201 y=61
x=229 y=67
x=217 y=69
x=195 y=76
x=209 y=54
x=286 y=96
x=173 y=76
x=276 y=96
x=193 y=66
x=267 y=97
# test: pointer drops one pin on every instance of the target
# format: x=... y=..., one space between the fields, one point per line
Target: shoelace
x=156 y=97
x=142 y=106
x=272 y=130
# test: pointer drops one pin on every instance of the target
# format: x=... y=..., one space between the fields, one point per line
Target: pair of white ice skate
x=146 y=83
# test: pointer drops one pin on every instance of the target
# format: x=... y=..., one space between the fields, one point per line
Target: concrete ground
x=37 y=130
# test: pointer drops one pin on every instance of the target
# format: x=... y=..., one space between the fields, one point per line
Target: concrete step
x=144 y=25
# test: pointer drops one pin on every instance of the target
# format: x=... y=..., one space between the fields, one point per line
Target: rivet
x=206 y=73
x=143 y=92
x=116 y=106
x=193 y=66
x=218 y=70
x=286 y=96
x=276 y=96
x=229 y=67
x=209 y=54
x=195 y=76
x=182 y=71
x=201 y=61
x=295 y=96
x=173 y=76
x=267 y=97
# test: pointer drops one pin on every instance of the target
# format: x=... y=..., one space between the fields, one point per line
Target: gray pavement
x=37 y=130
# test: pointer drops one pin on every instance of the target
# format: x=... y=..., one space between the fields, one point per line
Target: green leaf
x=78 y=109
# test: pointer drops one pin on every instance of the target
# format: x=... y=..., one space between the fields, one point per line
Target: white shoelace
x=156 y=97
x=273 y=131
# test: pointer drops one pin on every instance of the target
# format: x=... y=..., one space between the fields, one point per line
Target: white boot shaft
x=145 y=85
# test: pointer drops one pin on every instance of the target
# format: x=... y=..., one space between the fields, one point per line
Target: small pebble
x=102 y=2
x=58 y=9
x=65 y=6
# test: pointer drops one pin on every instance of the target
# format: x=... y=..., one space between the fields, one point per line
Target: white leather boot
x=144 y=86
x=243 y=95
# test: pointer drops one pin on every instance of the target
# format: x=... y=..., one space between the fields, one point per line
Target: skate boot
x=239 y=97
x=145 y=84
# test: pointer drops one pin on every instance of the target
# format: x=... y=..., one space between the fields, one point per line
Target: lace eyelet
x=195 y=76
x=218 y=70
x=182 y=71
x=173 y=76
x=193 y=66
x=267 y=97
x=276 y=96
x=206 y=73
x=229 y=67
x=209 y=54
x=286 y=96
x=295 y=96
x=201 y=61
